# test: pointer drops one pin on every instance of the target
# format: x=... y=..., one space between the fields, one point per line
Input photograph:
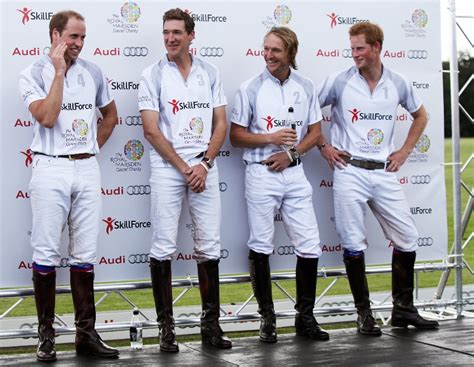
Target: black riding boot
x=88 y=341
x=259 y=267
x=355 y=269
x=162 y=292
x=306 y=278
x=45 y=293
x=211 y=332
x=404 y=312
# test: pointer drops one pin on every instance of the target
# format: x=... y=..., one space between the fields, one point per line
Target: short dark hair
x=178 y=14
x=373 y=32
x=290 y=41
x=60 y=19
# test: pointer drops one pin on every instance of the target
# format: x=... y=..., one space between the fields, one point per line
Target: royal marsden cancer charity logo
x=126 y=20
x=79 y=126
x=415 y=26
x=129 y=160
x=420 y=153
x=77 y=134
x=281 y=17
x=375 y=136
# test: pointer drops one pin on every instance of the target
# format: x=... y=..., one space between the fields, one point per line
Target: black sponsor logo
x=138 y=190
x=417 y=54
x=418 y=210
x=74 y=106
x=135 y=51
x=425 y=241
x=211 y=51
x=133 y=121
x=286 y=250
x=420 y=179
x=139 y=258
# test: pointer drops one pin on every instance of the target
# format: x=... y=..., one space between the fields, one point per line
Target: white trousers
x=62 y=192
x=289 y=192
x=168 y=189
x=354 y=188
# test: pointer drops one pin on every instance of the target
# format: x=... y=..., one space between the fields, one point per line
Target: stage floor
x=451 y=345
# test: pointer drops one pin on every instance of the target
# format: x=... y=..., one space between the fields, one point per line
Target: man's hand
x=57 y=58
x=334 y=157
x=397 y=159
x=196 y=178
x=284 y=136
x=277 y=162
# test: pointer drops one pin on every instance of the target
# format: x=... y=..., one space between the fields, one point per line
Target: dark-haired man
x=182 y=104
x=365 y=162
x=62 y=93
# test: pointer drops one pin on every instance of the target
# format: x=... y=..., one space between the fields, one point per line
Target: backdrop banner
x=124 y=37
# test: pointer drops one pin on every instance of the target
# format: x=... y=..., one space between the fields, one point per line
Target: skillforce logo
x=125 y=21
x=206 y=17
x=336 y=19
x=112 y=224
x=356 y=115
x=416 y=24
x=28 y=157
x=177 y=106
x=129 y=160
x=281 y=17
x=272 y=122
x=28 y=15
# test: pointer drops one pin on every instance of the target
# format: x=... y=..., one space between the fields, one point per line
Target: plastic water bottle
x=290 y=122
x=136 y=331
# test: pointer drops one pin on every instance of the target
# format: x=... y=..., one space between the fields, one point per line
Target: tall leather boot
x=211 y=332
x=260 y=276
x=88 y=341
x=45 y=295
x=404 y=312
x=163 y=295
x=355 y=269
x=306 y=278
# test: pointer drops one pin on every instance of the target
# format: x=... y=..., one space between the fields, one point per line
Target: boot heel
x=399 y=323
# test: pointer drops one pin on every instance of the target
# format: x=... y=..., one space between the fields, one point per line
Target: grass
x=238 y=293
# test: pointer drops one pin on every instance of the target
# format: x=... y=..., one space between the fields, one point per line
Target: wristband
x=204 y=165
x=289 y=155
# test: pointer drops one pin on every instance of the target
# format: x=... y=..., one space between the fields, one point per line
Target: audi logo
x=139 y=190
x=286 y=250
x=133 y=120
x=139 y=258
x=222 y=186
x=224 y=254
x=347 y=53
x=420 y=179
x=46 y=50
x=135 y=51
x=417 y=54
x=211 y=51
x=425 y=241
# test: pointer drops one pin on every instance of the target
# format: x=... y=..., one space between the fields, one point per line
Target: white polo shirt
x=85 y=89
x=362 y=123
x=262 y=104
x=185 y=106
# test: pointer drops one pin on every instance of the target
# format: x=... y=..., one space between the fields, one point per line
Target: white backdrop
x=124 y=37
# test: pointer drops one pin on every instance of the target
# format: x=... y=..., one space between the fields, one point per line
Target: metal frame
x=438 y=309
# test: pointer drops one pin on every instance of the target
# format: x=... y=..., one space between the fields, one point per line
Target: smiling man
x=274 y=118
x=182 y=104
x=364 y=101
x=62 y=93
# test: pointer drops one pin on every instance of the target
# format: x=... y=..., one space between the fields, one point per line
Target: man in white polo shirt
x=274 y=118
x=62 y=93
x=182 y=104
x=364 y=101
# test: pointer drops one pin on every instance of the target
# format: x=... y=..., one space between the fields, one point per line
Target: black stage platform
x=451 y=345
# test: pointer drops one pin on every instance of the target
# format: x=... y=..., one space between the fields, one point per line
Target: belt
x=200 y=155
x=292 y=164
x=71 y=157
x=366 y=164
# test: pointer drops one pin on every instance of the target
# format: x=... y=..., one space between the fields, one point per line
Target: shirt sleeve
x=410 y=101
x=218 y=95
x=315 y=114
x=104 y=94
x=31 y=87
x=324 y=92
x=241 y=111
x=148 y=90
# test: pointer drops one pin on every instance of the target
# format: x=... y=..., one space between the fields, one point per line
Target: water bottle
x=290 y=122
x=136 y=331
